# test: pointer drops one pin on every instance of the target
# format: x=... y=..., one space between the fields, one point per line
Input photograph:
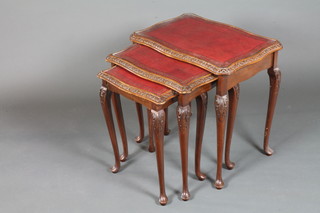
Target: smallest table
x=156 y=98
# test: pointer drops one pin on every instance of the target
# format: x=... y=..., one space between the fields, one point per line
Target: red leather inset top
x=132 y=84
x=216 y=43
x=152 y=65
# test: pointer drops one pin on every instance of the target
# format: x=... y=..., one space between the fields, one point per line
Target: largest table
x=230 y=54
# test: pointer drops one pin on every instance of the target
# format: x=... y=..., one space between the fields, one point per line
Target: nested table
x=190 y=55
x=231 y=54
x=155 y=97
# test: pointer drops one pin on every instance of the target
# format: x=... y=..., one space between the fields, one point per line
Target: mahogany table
x=231 y=54
x=225 y=56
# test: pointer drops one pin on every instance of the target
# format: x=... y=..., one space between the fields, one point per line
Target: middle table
x=188 y=80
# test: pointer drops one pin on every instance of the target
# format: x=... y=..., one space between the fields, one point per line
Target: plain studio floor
x=57 y=158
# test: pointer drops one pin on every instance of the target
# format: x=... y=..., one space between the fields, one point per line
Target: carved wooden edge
x=136 y=91
x=221 y=106
x=205 y=64
x=183 y=115
x=182 y=89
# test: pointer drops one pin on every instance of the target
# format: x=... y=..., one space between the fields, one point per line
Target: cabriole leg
x=105 y=100
x=183 y=117
x=221 y=106
x=233 y=104
x=158 y=118
x=275 y=78
x=202 y=101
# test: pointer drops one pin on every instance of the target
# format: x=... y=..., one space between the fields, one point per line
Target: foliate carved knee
x=221 y=106
x=275 y=77
x=102 y=94
x=183 y=115
x=158 y=120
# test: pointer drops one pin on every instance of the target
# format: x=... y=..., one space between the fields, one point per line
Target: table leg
x=275 y=78
x=221 y=107
x=183 y=117
x=105 y=100
x=158 y=118
x=139 y=138
x=119 y=115
x=202 y=101
x=233 y=104
x=151 y=134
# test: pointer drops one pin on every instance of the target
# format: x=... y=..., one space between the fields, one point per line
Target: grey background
x=54 y=147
